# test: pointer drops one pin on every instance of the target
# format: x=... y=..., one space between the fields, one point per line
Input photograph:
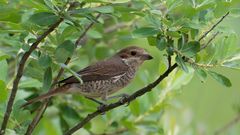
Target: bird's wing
x=102 y=70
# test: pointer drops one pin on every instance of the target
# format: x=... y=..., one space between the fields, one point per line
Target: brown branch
x=215 y=25
x=135 y=95
x=43 y=107
x=228 y=125
x=132 y=97
x=20 y=73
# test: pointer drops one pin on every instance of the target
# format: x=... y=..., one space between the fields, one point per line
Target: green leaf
x=3 y=92
x=30 y=83
x=221 y=79
x=173 y=34
x=232 y=64
x=181 y=63
x=43 y=18
x=45 y=60
x=115 y=1
x=152 y=41
x=19 y=114
x=161 y=43
x=235 y=12
x=68 y=32
x=94 y=34
x=201 y=74
x=3 y=70
x=47 y=79
x=103 y=9
x=144 y=32
x=64 y=51
x=191 y=48
x=135 y=108
x=3 y=56
x=70 y=115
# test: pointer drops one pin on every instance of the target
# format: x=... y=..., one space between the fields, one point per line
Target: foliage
x=164 y=27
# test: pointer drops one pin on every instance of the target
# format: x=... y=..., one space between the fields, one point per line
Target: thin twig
x=206 y=33
x=228 y=125
x=44 y=105
x=20 y=73
x=135 y=95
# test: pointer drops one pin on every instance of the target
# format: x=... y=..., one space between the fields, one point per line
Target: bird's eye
x=133 y=53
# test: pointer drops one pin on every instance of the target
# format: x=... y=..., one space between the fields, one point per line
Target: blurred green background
x=184 y=103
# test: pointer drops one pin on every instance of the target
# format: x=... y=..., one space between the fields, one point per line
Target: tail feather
x=44 y=96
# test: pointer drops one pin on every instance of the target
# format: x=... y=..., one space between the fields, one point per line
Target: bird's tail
x=46 y=95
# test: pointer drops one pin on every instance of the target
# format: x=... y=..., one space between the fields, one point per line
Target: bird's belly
x=101 y=88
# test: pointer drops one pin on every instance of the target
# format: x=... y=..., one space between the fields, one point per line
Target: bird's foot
x=124 y=97
x=101 y=107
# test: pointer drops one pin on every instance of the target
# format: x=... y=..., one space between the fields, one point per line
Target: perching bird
x=104 y=77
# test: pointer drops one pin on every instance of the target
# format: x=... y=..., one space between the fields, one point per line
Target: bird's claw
x=124 y=97
x=100 y=108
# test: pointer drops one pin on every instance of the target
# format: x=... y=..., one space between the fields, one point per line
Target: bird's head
x=134 y=56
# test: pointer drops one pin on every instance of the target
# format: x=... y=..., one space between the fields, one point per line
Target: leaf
x=152 y=41
x=45 y=60
x=235 y=12
x=47 y=79
x=201 y=74
x=64 y=51
x=181 y=63
x=70 y=115
x=3 y=92
x=3 y=56
x=104 y=9
x=67 y=32
x=101 y=9
x=191 y=48
x=232 y=64
x=94 y=34
x=115 y=1
x=161 y=43
x=19 y=114
x=3 y=70
x=144 y=32
x=30 y=83
x=221 y=79
x=173 y=34
x=135 y=108
x=43 y=18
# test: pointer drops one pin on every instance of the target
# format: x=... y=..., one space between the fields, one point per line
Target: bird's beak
x=146 y=56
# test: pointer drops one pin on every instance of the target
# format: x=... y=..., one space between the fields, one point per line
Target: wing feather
x=102 y=70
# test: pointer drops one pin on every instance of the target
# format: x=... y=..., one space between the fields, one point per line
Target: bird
x=103 y=78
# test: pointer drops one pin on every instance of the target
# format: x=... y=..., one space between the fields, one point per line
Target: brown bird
x=102 y=78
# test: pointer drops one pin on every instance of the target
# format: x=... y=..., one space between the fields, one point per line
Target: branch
x=207 y=32
x=228 y=125
x=132 y=97
x=135 y=95
x=20 y=73
x=43 y=107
